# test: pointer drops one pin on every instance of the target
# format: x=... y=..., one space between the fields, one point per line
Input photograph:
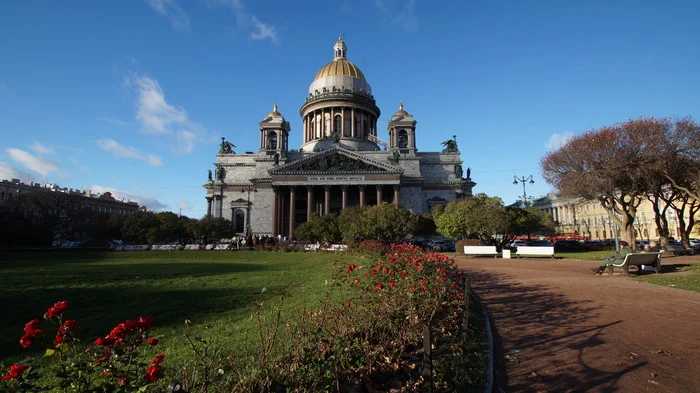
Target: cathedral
x=341 y=162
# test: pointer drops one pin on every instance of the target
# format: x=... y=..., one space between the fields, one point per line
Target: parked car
x=540 y=243
x=567 y=245
x=595 y=245
x=70 y=245
x=695 y=245
x=441 y=245
x=513 y=246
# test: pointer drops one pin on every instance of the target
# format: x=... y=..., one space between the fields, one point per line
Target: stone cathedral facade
x=341 y=162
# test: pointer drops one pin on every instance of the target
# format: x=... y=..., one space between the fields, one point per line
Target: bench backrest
x=532 y=250
x=674 y=248
x=643 y=258
x=480 y=250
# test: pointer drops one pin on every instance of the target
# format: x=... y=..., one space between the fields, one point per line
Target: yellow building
x=579 y=217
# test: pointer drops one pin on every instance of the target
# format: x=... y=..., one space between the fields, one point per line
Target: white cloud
x=558 y=140
x=171 y=9
x=157 y=116
x=40 y=165
x=39 y=148
x=399 y=12
x=111 y=120
x=258 y=29
x=149 y=201
x=263 y=30
x=122 y=151
x=183 y=204
x=8 y=172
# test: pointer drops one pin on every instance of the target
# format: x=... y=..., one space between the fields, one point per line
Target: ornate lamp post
x=248 y=189
x=523 y=180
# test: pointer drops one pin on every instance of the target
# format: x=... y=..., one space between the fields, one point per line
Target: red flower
x=403 y=274
x=124 y=381
x=16 y=371
x=105 y=342
x=378 y=287
x=153 y=373
x=26 y=340
x=32 y=327
x=411 y=290
x=56 y=310
x=356 y=282
x=347 y=304
x=152 y=341
x=68 y=327
x=366 y=275
x=105 y=355
x=158 y=359
x=105 y=372
x=391 y=284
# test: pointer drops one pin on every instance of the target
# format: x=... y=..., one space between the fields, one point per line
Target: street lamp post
x=248 y=189
x=523 y=180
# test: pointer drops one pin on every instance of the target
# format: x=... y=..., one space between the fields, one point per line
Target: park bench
x=678 y=249
x=480 y=250
x=640 y=259
x=547 y=251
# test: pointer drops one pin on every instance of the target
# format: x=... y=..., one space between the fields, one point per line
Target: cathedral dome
x=340 y=67
x=339 y=74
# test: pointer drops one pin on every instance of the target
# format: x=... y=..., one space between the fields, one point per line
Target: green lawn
x=215 y=290
x=689 y=281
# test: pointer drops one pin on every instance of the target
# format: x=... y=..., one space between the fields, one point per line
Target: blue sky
x=133 y=96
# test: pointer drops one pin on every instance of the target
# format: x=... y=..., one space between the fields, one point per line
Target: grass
x=690 y=281
x=215 y=290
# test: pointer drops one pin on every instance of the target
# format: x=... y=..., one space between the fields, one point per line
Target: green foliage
x=478 y=217
x=319 y=229
x=530 y=221
x=388 y=222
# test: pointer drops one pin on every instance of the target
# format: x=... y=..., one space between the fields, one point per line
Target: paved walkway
x=560 y=328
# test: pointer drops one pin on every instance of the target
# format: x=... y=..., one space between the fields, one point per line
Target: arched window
x=239 y=221
x=403 y=139
x=272 y=140
x=337 y=124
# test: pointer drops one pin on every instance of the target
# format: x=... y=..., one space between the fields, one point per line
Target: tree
x=141 y=227
x=388 y=222
x=608 y=165
x=479 y=217
x=319 y=229
x=530 y=221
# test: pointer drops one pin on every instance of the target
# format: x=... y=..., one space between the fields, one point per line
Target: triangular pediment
x=335 y=160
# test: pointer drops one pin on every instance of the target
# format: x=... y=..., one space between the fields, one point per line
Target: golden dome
x=274 y=112
x=340 y=67
x=401 y=112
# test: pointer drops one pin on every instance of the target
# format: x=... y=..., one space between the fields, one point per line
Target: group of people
x=620 y=256
x=242 y=242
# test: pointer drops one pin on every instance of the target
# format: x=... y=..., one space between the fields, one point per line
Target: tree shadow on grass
x=100 y=309
x=535 y=325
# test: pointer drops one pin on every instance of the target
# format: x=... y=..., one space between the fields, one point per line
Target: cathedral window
x=364 y=127
x=272 y=141
x=239 y=221
x=403 y=139
x=337 y=125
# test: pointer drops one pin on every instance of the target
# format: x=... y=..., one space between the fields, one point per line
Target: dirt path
x=560 y=328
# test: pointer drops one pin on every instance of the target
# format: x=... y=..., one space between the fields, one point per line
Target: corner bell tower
x=274 y=133
x=402 y=131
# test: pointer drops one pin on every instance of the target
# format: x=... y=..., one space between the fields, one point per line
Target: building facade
x=341 y=162
x=579 y=217
x=98 y=203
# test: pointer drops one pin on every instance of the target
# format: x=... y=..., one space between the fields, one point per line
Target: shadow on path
x=544 y=341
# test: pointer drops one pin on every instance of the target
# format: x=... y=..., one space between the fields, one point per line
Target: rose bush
x=115 y=363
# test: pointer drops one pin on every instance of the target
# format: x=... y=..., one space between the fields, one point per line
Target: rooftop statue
x=450 y=145
x=226 y=147
x=209 y=174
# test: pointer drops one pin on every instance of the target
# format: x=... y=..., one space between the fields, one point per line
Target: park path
x=560 y=328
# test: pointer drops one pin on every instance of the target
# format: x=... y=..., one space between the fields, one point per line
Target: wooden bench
x=546 y=251
x=480 y=250
x=640 y=259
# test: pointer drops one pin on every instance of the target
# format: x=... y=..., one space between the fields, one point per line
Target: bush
x=459 y=246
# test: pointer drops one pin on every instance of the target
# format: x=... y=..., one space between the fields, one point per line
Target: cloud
x=112 y=120
x=149 y=201
x=258 y=30
x=183 y=204
x=399 y=12
x=40 y=165
x=157 y=116
x=558 y=140
x=122 y=151
x=39 y=148
x=171 y=9
x=8 y=172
